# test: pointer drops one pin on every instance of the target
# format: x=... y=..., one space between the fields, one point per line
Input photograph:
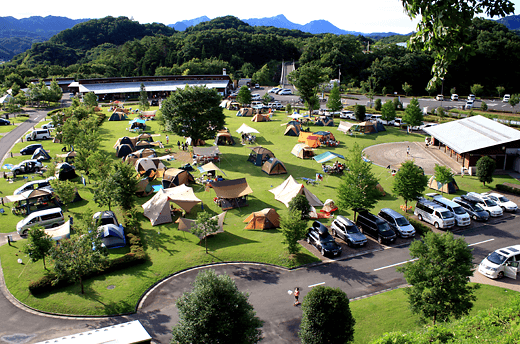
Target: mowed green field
x=171 y=250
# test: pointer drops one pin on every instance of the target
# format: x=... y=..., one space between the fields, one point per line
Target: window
x=51 y=216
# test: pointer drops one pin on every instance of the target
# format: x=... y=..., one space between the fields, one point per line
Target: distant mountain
x=184 y=24
x=45 y=27
x=511 y=22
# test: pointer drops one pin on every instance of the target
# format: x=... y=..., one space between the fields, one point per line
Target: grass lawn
x=171 y=250
x=13 y=120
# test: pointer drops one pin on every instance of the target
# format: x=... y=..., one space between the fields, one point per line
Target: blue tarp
x=137 y=120
x=324 y=157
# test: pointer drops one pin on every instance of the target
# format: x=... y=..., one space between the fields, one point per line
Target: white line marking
x=401 y=263
x=481 y=242
x=316 y=284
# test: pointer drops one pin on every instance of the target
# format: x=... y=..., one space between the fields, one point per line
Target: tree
x=55 y=92
x=326 y=317
x=369 y=87
x=301 y=204
x=514 y=100
x=388 y=111
x=409 y=182
x=263 y=75
x=266 y=98
x=334 y=102
x=143 y=98
x=194 y=112
x=65 y=190
x=244 y=95
x=485 y=169
x=358 y=186
x=439 y=277
x=477 y=89
x=74 y=258
x=293 y=229
x=39 y=245
x=90 y=99
x=407 y=88
x=104 y=194
x=215 y=311
x=307 y=80
x=500 y=90
x=204 y=226
x=413 y=115
x=443 y=174
x=124 y=182
x=378 y=104
x=359 y=112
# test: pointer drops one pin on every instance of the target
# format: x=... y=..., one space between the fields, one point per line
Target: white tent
x=244 y=128
x=345 y=126
x=295 y=116
x=60 y=232
x=157 y=209
x=286 y=191
x=186 y=224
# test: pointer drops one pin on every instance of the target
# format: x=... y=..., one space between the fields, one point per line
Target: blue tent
x=41 y=154
x=112 y=236
x=324 y=157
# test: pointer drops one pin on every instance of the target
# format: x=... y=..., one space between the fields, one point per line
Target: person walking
x=296 y=296
x=167 y=139
x=179 y=144
x=408 y=151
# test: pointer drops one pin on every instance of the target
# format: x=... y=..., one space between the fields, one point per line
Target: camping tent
x=245 y=129
x=325 y=121
x=302 y=151
x=41 y=154
x=157 y=209
x=112 y=236
x=245 y=112
x=313 y=141
x=204 y=154
x=292 y=130
x=150 y=167
x=345 y=126
x=144 y=137
x=123 y=150
x=186 y=224
x=174 y=177
x=259 y=155
x=65 y=171
x=303 y=136
x=137 y=123
x=329 y=206
x=324 y=157
x=144 y=188
x=274 y=166
x=261 y=118
x=232 y=193
x=264 y=219
x=117 y=116
x=149 y=114
x=450 y=187
x=224 y=139
x=286 y=191
x=144 y=153
x=369 y=127
x=125 y=140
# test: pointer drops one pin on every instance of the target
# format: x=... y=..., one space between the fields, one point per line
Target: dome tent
x=274 y=166
x=259 y=155
x=266 y=218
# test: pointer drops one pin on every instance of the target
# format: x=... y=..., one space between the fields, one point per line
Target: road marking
x=313 y=285
x=401 y=263
x=481 y=242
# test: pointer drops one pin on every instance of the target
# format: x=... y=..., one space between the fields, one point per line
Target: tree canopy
x=307 y=79
x=485 y=169
x=409 y=182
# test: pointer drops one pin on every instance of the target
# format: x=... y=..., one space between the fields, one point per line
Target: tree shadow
x=346 y=273
x=257 y=273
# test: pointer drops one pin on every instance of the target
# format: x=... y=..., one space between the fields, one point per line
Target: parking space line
x=313 y=285
x=396 y=264
x=481 y=242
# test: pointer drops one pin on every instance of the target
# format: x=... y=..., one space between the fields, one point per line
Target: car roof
x=510 y=250
x=391 y=212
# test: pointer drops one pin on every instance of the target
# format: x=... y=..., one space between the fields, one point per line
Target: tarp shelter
x=123 y=150
x=345 y=126
x=224 y=139
x=112 y=236
x=325 y=121
x=292 y=130
x=274 y=166
x=29 y=194
x=41 y=154
x=286 y=191
x=185 y=225
x=145 y=153
x=157 y=209
x=146 y=144
x=117 y=116
x=209 y=167
x=302 y=151
x=245 y=129
x=259 y=155
x=324 y=157
x=137 y=123
x=245 y=112
x=232 y=193
x=60 y=232
x=150 y=167
x=368 y=127
x=175 y=177
x=266 y=218
x=450 y=187
x=261 y=118
x=65 y=171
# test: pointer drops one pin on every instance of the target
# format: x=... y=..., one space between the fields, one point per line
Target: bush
x=359 y=112
x=378 y=104
x=397 y=104
x=507 y=188
x=420 y=228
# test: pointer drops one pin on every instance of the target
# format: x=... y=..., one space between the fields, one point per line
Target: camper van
x=46 y=218
x=434 y=214
x=461 y=216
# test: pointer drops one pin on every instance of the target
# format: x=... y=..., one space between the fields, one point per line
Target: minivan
x=35 y=184
x=473 y=209
x=500 y=263
x=40 y=134
x=398 y=223
x=461 y=216
x=46 y=218
x=434 y=214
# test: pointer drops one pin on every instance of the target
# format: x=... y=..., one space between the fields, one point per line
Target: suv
x=30 y=149
x=39 y=134
x=375 y=226
x=4 y=122
x=36 y=184
x=506 y=98
x=27 y=166
x=502 y=201
x=434 y=214
x=489 y=205
x=500 y=263
x=348 y=231
x=398 y=223
x=318 y=235
x=473 y=209
x=454 y=97
x=461 y=216
x=274 y=90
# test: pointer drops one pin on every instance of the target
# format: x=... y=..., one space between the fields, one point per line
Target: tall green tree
x=301 y=204
x=90 y=99
x=477 y=89
x=143 y=98
x=334 y=103
x=205 y=225
x=409 y=182
x=358 y=185
x=263 y=76
x=413 y=115
x=244 y=95
x=360 y=112
x=443 y=175
x=124 y=182
x=65 y=190
x=514 y=100
x=39 y=245
x=485 y=169
x=215 y=311
x=194 y=112
x=407 y=88
x=500 y=90
x=388 y=111
x=438 y=275
x=307 y=79
x=293 y=229
x=326 y=317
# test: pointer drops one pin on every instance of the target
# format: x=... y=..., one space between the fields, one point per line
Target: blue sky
x=353 y=15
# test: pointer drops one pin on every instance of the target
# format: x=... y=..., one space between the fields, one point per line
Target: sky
x=365 y=16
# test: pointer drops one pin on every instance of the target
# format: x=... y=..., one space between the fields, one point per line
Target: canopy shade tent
x=245 y=129
x=295 y=116
x=324 y=157
x=185 y=225
x=264 y=219
x=30 y=194
x=157 y=209
x=286 y=191
x=210 y=167
x=345 y=126
x=232 y=193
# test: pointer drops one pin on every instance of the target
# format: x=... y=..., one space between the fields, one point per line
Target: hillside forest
x=112 y=47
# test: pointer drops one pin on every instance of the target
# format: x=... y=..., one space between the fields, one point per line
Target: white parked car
x=500 y=263
x=471 y=97
x=285 y=92
x=502 y=201
x=48 y=126
x=489 y=205
x=274 y=90
x=506 y=98
x=439 y=97
x=347 y=114
x=454 y=97
x=469 y=105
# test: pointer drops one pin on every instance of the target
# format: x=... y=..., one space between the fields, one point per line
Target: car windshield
x=496 y=258
x=503 y=199
x=490 y=203
x=383 y=227
x=402 y=221
x=326 y=239
x=352 y=230
x=478 y=207
x=446 y=214
x=459 y=211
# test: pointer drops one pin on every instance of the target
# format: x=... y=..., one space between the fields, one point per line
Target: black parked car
x=475 y=211
x=4 y=121
x=375 y=226
x=318 y=235
x=30 y=149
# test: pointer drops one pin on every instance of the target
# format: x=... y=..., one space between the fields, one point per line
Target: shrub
x=420 y=228
x=507 y=188
x=378 y=104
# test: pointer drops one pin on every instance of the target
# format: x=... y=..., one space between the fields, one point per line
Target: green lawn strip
x=171 y=250
x=389 y=311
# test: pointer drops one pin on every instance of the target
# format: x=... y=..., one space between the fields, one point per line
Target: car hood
x=358 y=236
x=330 y=246
x=408 y=228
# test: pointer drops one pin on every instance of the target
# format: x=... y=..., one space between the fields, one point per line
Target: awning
x=232 y=188
x=324 y=157
x=244 y=128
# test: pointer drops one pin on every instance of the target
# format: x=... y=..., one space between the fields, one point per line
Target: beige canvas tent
x=175 y=176
x=261 y=118
x=286 y=191
x=210 y=167
x=157 y=209
x=186 y=224
x=264 y=219
x=150 y=167
x=232 y=193
x=245 y=112
x=302 y=151
x=274 y=166
x=345 y=126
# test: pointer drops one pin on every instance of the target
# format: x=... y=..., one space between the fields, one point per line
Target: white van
x=500 y=263
x=40 y=134
x=46 y=218
x=461 y=216
x=434 y=214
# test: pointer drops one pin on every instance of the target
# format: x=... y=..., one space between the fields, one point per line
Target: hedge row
x=507 y=188
x=420 y=228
